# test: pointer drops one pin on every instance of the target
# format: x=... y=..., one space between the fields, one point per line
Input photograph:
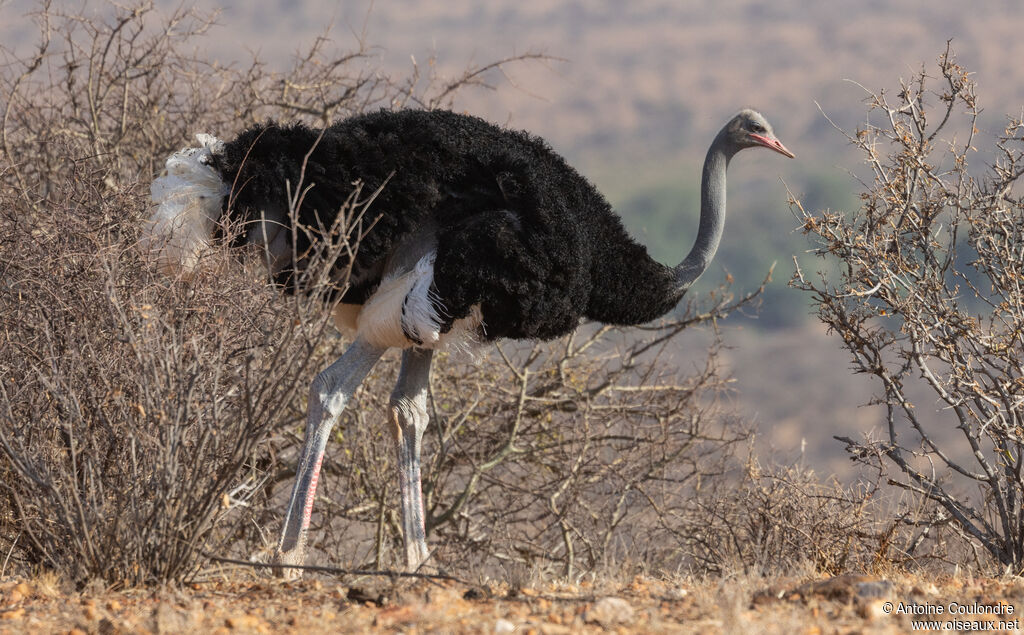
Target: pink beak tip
x=773 y=144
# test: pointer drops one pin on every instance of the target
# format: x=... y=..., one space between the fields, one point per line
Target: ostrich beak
x=772 y=144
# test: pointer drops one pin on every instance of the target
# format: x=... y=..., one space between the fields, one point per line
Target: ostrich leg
x=408 y=414
x=328 y=395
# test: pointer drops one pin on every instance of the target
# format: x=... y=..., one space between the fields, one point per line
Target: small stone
x=15 y=596
x=608 y=612
x=24 y=588
x=113 y=605
x=677 y=593
x=242 y=622
x=167 y=619
x=504 y=626
x=872 y=610
x=842 y=587
x=90 y=612
x=929 y=589
x=16 y=614
x=473 y=593
x=874 y=589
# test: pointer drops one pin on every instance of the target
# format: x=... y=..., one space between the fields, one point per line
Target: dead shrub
x=782 y=519
x=553 y=458
x=927 y=300
x=131 y=405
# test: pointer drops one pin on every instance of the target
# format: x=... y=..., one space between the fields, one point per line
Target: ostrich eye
x=758 y=128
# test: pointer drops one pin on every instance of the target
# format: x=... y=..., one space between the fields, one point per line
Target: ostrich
x=479 y=233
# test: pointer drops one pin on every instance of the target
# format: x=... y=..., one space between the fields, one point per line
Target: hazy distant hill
x=656 y=77
x=649 y=77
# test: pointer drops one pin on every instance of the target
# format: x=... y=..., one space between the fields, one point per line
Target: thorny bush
x=131 y=407
x=928 y=301
x=551 y=459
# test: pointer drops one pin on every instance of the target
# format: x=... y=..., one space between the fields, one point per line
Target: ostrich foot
x=295 y=556
x=416 y=557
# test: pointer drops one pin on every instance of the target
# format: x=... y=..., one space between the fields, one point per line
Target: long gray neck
x=712 y=214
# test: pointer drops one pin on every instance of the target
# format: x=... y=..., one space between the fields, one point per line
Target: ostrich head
x=749 y=129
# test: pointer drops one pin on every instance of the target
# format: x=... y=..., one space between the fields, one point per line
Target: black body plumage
x=518 y=231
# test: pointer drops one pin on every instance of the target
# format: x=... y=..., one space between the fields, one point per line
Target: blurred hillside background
x=632 y=96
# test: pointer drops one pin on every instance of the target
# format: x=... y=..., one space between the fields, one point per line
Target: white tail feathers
x=188 y=203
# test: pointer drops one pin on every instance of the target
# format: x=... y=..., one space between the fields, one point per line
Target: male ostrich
x=480 y=233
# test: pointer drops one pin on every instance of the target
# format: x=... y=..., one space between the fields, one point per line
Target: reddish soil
x=847 y=604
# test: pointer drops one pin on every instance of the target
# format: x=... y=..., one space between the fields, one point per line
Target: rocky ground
x=845 y=604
